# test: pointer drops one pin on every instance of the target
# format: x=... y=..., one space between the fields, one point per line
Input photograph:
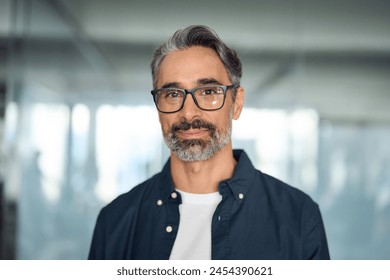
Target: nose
x=190 y=109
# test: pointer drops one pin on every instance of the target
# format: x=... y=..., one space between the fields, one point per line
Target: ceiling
x=333 y=56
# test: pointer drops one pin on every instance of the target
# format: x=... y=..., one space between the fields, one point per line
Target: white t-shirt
x=193 y=240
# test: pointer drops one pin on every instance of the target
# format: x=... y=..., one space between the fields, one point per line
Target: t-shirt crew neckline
x=196 y=198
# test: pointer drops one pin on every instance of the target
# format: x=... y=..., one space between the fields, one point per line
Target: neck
x=203 y=176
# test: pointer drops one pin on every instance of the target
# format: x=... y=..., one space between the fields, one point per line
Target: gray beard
x=198 y=149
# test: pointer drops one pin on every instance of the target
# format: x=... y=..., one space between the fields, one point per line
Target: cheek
x=164 y=127
x=165 y=122
x=227 y=115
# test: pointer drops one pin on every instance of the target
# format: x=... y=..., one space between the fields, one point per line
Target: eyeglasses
x=208 y=98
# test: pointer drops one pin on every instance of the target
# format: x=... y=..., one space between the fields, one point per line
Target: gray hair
x=198 y=35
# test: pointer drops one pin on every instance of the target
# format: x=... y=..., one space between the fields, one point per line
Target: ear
x=238 y=103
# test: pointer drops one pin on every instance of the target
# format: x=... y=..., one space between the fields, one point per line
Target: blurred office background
x=78 y=126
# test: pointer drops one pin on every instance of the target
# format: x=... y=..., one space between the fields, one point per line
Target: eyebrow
x=171 y=85
x=200 y=82
x=208 y=81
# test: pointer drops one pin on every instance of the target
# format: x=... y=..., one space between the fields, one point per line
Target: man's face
x=193 y=134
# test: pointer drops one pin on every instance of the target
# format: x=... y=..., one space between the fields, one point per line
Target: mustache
x=184 y=125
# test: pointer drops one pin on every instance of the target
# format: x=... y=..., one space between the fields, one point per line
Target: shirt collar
x=166 y=186
x=238 y=185
x=242 y=177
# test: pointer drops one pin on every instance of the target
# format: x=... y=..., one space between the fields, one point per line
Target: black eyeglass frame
x=192 y=91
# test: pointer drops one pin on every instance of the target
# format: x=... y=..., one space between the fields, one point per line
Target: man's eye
x=209 y=91
x=172 y=94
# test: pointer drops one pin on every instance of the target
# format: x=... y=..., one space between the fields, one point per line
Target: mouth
x=195 y=130
x=193 y=133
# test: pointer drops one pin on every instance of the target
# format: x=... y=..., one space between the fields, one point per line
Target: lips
x=193 y=133
x=192 y=130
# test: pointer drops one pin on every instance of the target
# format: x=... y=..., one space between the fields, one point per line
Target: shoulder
x=129 y=202
x=297 y=211
x=281 y=189
x=285 y=197
x=270 y=191
x=115 y=220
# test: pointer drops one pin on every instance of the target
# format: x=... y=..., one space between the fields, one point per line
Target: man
x=208 y=202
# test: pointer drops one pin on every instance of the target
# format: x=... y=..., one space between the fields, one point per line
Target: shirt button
x=159 y=202
x=174 y=195
x=240 y=196
x=168 y=229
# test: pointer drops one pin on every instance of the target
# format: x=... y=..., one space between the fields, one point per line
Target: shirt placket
x=170 y=225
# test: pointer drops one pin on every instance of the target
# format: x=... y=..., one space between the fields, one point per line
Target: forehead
x=186 y=67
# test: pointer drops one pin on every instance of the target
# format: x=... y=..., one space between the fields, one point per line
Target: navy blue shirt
x=259 y=217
